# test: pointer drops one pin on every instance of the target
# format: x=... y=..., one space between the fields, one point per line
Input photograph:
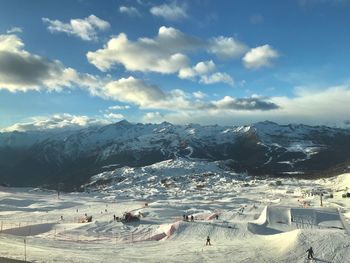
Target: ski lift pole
x=25 y=250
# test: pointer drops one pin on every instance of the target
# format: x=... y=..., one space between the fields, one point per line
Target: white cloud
x=56 y=121
x=131 y=11
x=143 y=95
x=217 y=77
x=86 y=28
x=328 y=106
x=169 y=11
x=131 y=90
x=199 y=94
x=316 y=106
x=162 y=54
x=260 y=57
x=153 y=117
x=201 y=68
x=119 y=107
x=227 y=47
x=203 y=72
x=166 y=53
x=14 y=30
x=23 y=71
x=10 y=43
x=308 y=106
x=206 y=67
x=114 y=116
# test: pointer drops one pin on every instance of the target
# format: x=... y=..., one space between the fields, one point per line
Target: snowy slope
x=162 y=236
x=173 y=175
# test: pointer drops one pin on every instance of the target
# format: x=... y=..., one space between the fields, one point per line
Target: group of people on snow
x=187 y=218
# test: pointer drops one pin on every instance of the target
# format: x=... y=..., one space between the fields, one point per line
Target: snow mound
x=278 y=219
x=342 y=182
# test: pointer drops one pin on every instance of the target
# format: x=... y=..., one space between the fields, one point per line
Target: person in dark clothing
x=114 y=218
x=216 y=216
x=187 y=218
x=310 y=253
x=184 y=217
x=208 y=241
x=192 y=218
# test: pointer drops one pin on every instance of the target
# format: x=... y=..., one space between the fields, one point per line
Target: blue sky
x=210 y=62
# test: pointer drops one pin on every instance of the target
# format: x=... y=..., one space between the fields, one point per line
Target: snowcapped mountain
x=265 y=148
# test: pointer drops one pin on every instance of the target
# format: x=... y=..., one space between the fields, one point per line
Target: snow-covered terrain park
x=258 y=221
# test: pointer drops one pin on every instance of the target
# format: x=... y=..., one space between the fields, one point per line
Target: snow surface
x=259 y=220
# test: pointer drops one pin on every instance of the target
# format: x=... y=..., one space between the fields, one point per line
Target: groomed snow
x=258 y=221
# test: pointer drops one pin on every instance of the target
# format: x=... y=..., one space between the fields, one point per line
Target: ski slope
x=258 y=221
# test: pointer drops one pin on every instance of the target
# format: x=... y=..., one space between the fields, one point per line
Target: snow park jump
x=278 y=219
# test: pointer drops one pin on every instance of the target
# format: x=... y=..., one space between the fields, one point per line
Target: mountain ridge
x=71 y=157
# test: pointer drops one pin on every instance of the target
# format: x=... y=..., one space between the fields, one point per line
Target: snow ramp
x=277 y=219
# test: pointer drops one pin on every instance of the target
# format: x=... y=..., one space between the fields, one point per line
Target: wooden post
x=25 y=250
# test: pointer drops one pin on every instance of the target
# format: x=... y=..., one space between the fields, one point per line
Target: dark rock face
x=266 y=148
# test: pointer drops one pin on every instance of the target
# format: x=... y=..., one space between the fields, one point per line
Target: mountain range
x=71 y=157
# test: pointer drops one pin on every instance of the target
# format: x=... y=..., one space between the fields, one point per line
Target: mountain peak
x=123 y=123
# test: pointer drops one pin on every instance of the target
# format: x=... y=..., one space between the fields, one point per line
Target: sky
x=229 y=62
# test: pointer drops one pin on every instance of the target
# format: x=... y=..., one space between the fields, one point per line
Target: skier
x=310 y=253
x=192 y=218
x=208 y=241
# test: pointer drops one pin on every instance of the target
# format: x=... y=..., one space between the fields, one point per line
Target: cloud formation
x=119 y=107
x=23 y=71
x=85 y=29
x=226 y=47
x=162 y=54
x=260 y=57
x=217 y=77
x=167 y=54
x=145 y=96
x=171 y=11
x=199 y=94
x=203 y=72
x=249 y=104
x=154 y=117
x=14 y=30
x=309 y=106
x=200 y=69
x=56 y=121
x=137 y=92
x=131 y=11
x=114 y=116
